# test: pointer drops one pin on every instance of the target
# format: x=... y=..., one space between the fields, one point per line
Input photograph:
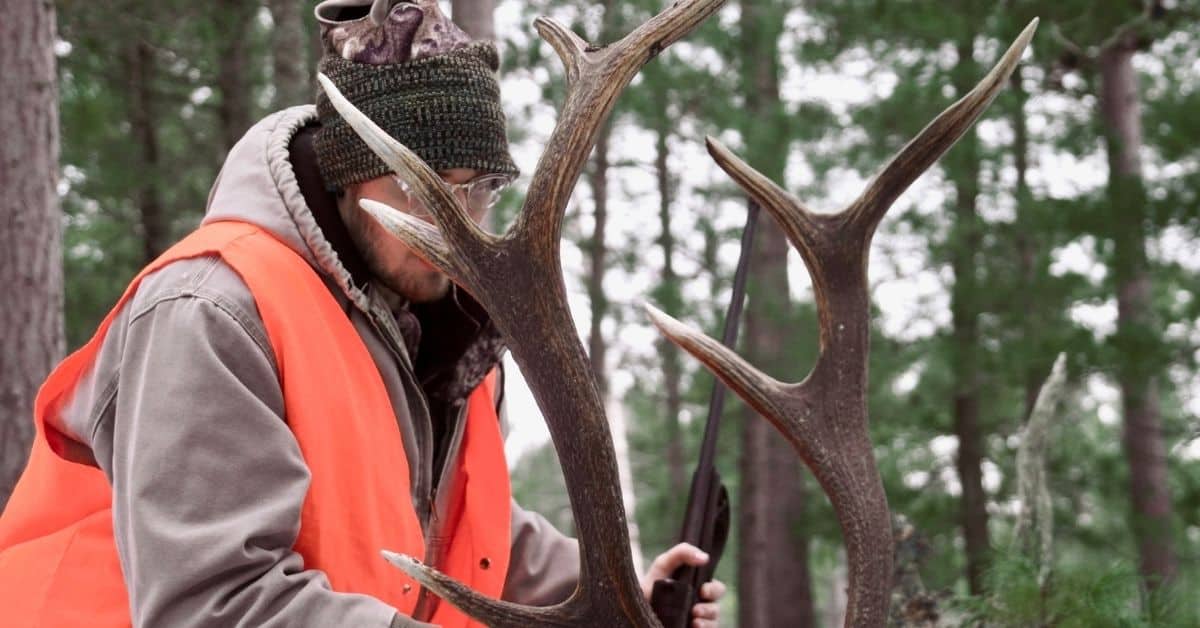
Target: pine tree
x=773 y=574
x=289 y=66
x=30 y=226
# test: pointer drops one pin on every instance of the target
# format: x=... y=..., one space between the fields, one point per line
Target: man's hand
x=704 y=614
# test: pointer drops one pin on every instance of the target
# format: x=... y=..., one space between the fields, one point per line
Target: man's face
x=396 y=265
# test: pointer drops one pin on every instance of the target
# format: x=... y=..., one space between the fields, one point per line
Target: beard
x=401 y=270
x=414 y=280
x=392 y=263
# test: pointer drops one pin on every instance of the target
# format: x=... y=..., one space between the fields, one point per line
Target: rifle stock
x=707 y=527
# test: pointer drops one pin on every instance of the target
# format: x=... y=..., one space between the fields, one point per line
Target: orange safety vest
x=58 y=558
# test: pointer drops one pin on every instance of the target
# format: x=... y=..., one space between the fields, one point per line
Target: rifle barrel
x=716 y=403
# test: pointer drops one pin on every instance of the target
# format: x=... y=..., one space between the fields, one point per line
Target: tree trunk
x=597 y=345
x=963 y=169
x=475 y=17
x=773 y=579
x=316 y=49
x=290 y=65
x=234 y=19
x=142 y=73
x=597 y=253
x=774 y=586
x=31 y=312
x=1120 y=110
x=1027 y=246
x=597 y=247
x=670 y=300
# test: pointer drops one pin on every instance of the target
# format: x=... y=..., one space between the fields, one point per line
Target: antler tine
x=518 y=280
x=934 y=140
x=462 y=597
x=824 y=419
x=825 y=416
x=569 y=46
x=426 y=184
x=759 y=390
x=416 y=234
x=596 y=77
x=807 y=231
x=798 y=222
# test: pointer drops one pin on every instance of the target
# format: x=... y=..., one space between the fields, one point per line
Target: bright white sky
x=912 y=294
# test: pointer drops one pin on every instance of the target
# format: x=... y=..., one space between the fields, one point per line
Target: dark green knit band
x=446 y=108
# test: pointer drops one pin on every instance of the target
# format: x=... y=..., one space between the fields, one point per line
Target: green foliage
x=900 y=63
x=1090 y=595
x=107 y=94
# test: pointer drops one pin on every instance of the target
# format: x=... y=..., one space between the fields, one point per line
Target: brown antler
x=517 y=277
x=825 y=416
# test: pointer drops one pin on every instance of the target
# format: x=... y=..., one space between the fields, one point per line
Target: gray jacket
x=184 y=414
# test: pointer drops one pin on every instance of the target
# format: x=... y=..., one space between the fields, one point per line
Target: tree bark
x=670 y=301
x=597 y=246
x=597 y=344
x=597 y=259
x=597 y=252
x=235 y=111
x=774 y=587
x=1027 y=247
x=141 y=70
x=316 y=49
x=1120 y=110
x=773 y=578
x=963 y=169
x=475 y=17
x=288 y=58
x=31 y=312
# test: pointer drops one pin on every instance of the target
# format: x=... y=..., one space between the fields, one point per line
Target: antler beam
x=517 y=277
x=825 y=416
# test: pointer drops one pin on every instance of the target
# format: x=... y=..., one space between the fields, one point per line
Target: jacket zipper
x=435 y=541
x=426 y=602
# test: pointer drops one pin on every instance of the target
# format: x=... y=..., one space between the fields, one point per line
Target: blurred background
x=1067 y=221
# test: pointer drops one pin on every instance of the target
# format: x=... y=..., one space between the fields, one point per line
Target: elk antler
x=825 y=416
x=517 y=277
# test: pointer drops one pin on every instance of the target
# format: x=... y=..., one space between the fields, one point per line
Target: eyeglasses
x=479 y=195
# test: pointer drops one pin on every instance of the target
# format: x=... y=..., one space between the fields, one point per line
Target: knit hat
x=417 y=75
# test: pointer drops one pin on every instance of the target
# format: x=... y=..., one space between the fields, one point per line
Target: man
x=289 y=390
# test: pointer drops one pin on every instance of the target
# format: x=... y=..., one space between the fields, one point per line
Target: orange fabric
x=58 y=559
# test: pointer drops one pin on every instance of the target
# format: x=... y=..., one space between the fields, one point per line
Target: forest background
x=1066 y=221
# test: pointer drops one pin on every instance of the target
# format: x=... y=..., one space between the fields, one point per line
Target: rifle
x=706 y=520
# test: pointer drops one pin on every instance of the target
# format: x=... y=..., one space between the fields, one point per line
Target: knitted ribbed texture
x=445 y=108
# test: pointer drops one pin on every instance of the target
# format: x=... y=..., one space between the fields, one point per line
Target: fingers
x=667 y=562
x=672 y=559
x=706 y=610
x=712 y=591
x=708 y=614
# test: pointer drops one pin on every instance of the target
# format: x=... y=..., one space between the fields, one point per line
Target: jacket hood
x=270 y=179
x=258 y=184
